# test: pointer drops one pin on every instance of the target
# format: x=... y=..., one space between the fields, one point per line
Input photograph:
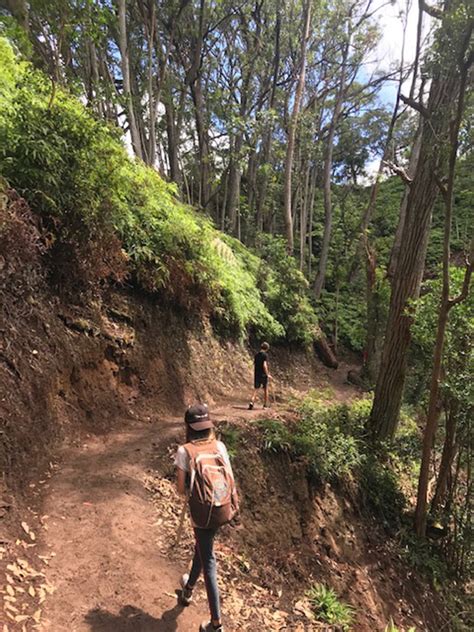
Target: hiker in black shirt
x=261 y=374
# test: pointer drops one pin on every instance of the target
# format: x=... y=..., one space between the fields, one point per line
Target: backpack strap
x=193 y=450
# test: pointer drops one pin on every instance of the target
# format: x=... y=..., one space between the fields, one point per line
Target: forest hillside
x=178 y=183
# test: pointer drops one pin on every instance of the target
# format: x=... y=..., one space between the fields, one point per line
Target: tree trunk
x=369 y=368
x=262 y=187
x=172 y=136
x=446 y=304
x=447 y=458
x=203 y=144
x=292 y=131
x=125 y=63
x=233 y=184
x=395 y=252
x=406 y=283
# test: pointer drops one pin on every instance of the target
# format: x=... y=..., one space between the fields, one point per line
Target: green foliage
x=231 y=436
x=110 y=216
x=326 y=436
x=425 y=557
x=331 y=439
x=380 y=492
x=391 y=627
x=286 y=291
x=328 y=608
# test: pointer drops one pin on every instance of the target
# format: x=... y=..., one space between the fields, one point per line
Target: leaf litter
x=246 y=601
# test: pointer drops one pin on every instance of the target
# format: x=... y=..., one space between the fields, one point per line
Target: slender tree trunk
x=267 y=137
x=203 y=143
x=172 y=135
x=395 y=252
x=151 y=91
x=125 y=62
x=323 y=257
x=406 y=283
x=233 y=184
x=447 y=457
x=292 y=131
x=446 y=304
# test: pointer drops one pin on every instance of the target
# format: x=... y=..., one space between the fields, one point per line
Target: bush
x=285 y=291
x=328 y=608
x=327 y=437
x=381 y=493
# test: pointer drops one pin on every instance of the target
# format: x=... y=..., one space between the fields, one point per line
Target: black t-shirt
x=259 y=360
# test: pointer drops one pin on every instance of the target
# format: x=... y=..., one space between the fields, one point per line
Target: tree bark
x=125 y=63
x=327 y=173
x=447 y=457
x=406 y=283
x=445 y=304
x=172 y=136
x=292 y=131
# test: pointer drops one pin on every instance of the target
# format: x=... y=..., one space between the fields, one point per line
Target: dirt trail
x=107 y=570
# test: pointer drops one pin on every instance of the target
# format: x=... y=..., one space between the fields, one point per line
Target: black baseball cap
x=197 y=417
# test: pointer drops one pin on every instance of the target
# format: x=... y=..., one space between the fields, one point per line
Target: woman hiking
x=204 y=476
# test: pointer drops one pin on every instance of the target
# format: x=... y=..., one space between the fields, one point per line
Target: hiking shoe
x=251 y=406
x=208 y=627
x=186 y=595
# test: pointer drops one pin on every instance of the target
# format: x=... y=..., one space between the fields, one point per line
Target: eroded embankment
x=296 y=534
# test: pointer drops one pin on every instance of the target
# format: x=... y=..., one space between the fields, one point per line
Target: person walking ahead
x=204 y=475
x=261 y=374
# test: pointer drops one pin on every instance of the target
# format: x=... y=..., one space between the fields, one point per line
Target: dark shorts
x=260 y=380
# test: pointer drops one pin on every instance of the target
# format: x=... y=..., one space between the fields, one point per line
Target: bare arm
x=266 y=369
x=181 y=481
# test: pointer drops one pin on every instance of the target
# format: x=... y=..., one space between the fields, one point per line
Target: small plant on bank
x=328 y=608
x=230 y=435
x=391 y=627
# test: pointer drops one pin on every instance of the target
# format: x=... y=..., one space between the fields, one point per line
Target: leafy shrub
x=425 y=557
x=277 y=435
x=285 y=290
x=328 y=608
x=381 y=492
x=391 y=627
x=325 y=436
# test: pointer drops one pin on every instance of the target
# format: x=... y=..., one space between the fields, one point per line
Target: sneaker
x=251 y=406
x=208 y=627
x=186 y=595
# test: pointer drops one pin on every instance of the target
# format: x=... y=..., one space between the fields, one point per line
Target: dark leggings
x=205 y=560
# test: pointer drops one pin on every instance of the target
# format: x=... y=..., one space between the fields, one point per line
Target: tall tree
x=436 y=117
x=292 y=126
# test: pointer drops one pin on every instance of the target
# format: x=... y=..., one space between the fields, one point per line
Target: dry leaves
x=25 y=588
x=247 y=603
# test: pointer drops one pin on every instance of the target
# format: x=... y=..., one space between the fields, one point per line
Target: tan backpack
x=212 y=493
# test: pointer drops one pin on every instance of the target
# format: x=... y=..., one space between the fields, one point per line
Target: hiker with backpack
x=205 y=478
x=261 y=375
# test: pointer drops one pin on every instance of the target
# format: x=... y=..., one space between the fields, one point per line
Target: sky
x=389 y=51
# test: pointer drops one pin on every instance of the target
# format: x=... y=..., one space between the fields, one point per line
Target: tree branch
x=399 y=171
x=416 y=106
x=433 y=11
x=467 y=279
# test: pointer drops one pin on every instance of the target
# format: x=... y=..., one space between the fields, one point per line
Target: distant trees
x=241 y=104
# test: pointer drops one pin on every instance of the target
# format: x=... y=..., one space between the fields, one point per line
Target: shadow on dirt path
x=131 y=619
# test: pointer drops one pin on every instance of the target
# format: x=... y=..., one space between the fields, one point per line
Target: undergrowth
x=110 y=218
x=330 y=438
x=328 y=608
